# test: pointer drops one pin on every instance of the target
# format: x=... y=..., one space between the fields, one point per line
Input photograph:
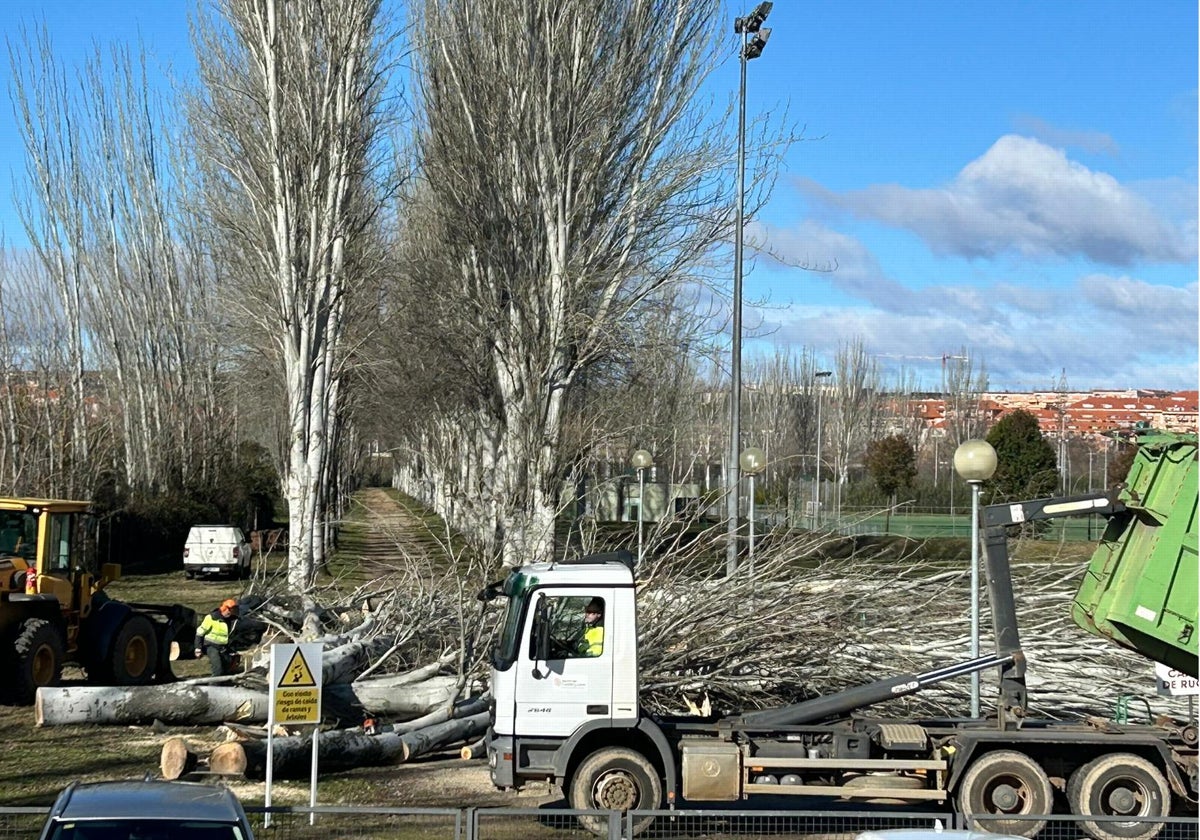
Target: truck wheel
x=615 y=779
x=1120 y=785
x=39 y=656
x=134 y=653
x=1005 y=783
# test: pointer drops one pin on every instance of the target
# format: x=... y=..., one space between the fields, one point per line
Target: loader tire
x=134 y=654
x=38 y=656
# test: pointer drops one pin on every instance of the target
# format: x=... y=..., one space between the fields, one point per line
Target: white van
x=216 y=550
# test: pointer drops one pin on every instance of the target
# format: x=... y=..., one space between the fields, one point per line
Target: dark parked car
x=146 y=811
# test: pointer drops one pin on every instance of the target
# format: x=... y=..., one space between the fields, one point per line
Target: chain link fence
x=363 y=822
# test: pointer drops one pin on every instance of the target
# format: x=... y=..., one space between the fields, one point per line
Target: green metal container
x=1140 y=589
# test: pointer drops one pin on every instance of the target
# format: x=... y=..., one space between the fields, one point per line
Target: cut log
x=345 y=749
x=172 y=704
x=228 y=759
x=473 y=751
x=177 y=758
x=433 y=738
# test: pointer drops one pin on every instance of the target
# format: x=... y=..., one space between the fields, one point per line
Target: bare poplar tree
x=100 y=206
x=856 y=413
x=52 y=209
x=782 y=410
x=574 y=177
x=288 y=123
x=964 y=385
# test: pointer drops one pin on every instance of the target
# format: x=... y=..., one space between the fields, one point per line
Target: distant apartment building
x=1078 y=414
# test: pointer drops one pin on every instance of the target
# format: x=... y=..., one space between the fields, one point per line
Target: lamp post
x=975 y=461
x=641 y=459
x=752 y=461
x=746 y=26
x=816 y=500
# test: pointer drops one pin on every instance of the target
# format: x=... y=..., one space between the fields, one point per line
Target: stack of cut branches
x=798 y=624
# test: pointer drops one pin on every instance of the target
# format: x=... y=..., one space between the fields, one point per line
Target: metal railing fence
x=363 y=822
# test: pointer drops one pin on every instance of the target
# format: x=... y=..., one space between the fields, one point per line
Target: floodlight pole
x=743 y=26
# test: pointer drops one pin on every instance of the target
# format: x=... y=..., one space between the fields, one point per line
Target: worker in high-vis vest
x=592 y=643
x=212 y=636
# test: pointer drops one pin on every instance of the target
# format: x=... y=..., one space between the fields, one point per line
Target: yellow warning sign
x=297 y=705
x=297 y=673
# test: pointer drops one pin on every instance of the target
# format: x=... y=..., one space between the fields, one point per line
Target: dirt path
x=390 y=531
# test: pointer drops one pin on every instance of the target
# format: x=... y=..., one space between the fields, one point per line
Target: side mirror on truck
x=541 y=635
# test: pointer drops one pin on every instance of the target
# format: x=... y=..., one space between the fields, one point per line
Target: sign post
x=295 y=698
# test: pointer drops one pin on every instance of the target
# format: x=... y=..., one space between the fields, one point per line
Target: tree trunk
x=388 y=698
x=344 y=749
x=433 y=738
x=192 y=705
x=465 y=708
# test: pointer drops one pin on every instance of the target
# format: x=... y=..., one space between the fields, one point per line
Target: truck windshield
x=517 y=587
x=18 y=534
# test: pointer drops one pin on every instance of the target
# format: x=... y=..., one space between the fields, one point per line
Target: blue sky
x=1018 y=179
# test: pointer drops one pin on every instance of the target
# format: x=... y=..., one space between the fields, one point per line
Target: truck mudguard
x=645 y=726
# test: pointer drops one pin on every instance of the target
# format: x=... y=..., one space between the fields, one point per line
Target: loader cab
x=54 y=541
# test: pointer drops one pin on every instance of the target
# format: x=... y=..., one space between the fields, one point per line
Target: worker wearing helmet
x=213 y=635
x=592 y=643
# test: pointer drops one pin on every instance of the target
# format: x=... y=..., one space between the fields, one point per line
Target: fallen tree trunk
x=171 y=704
x=389 y=697
x=441 y=735
x=195 y=705
x=462 y=709
x=344 y=749
x=345 y=662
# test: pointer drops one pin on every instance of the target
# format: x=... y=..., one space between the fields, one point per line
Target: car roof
x=931 y=834
x=147 y=800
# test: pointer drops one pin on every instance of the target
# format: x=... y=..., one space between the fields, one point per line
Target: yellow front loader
x=53 y=608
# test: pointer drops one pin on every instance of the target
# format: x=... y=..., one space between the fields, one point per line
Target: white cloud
x=1096 y=142
x=1026 y=197
x=1104 y=331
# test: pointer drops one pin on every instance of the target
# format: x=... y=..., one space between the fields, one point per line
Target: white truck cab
x=550 y=686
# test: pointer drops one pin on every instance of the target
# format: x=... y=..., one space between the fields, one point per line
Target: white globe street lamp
x=640 y=460
x=752 y=461
x=975 y=461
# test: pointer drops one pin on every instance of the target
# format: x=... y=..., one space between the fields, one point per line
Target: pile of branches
x=399 y=679
x=814 y=615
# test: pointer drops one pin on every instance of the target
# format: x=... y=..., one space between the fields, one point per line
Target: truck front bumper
x=500 y=760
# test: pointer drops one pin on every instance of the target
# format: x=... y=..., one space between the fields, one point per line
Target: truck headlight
x=492 y=759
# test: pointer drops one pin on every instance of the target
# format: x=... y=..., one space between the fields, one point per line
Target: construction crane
x=945 y=357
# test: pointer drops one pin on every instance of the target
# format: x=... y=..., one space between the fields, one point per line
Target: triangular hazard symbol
x=297 y=674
